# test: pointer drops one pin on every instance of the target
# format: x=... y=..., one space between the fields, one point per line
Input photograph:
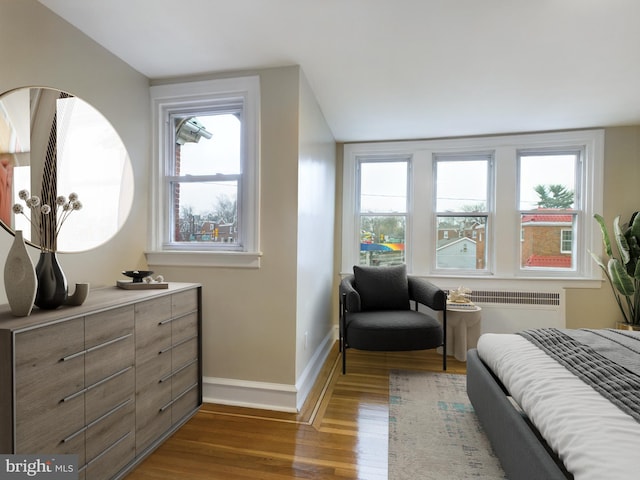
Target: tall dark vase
x=52 y=284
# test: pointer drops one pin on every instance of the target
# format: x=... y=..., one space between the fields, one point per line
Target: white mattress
x=594 y=438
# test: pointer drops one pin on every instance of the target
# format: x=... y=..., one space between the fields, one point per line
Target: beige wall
x=316 y=200
x=596 y=308
x=37 y=48
x=249 y=315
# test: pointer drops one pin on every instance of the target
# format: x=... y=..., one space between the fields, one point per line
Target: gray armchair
x=376 y=314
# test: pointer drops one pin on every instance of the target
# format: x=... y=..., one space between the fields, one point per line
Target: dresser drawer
x=184 y=302
x=108 y=429
x=185 y=404
x=184 y=353
x=150 y=312
x=112 y=460
x=108 y=358
x=184 y=327
x=103 y=398
x=152 y=416
x=49 y=362
x=152 y=332
x=183 y=379
x=104 y=326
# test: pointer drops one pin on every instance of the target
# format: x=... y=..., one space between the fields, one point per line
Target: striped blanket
x=607 y=360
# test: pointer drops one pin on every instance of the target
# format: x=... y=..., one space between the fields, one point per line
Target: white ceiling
x=398 y=69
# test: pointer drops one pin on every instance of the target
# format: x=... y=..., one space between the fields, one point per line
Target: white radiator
x=511 y=311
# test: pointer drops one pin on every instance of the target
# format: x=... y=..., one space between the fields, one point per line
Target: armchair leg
x=344 y=360
x=444 y=357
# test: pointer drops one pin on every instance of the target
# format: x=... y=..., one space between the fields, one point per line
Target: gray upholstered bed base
x=523 y=454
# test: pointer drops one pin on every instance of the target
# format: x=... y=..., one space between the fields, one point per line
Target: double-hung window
x=549 y=204
x=462 y=210
x=382 y=209
x=206 y=170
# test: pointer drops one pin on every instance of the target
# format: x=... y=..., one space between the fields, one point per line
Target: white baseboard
x=310 y=374
x=264 y=395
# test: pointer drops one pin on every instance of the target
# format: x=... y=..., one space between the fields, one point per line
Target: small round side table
x=463 y=330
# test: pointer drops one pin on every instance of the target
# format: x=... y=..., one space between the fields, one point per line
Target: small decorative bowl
x=137 y=275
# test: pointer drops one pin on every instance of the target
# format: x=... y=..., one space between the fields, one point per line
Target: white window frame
x=358 y=214
x=503 y=258
x=487 y=213
x=180 y=97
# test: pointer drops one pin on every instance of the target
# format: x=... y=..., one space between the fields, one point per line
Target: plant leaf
x=598 y=261
x=636 y=273
x=621 y=241
x=635 y=225
x=605 y=234
x=620 y=278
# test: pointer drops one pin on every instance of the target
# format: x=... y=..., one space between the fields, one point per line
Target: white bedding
x=594 y=438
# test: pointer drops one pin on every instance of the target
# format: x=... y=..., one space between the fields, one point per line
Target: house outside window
x=490 y=208
x=205 y=174
x=550 y=204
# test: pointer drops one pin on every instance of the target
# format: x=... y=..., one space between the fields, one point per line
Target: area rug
x=434 y=432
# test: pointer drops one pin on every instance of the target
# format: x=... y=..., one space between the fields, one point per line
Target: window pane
x=382 y=239
x=547 y=181
x=206 y=211
x=461 y=185
x=383 y=187
x=208 y=156
x=461 y=242
x=547 y=240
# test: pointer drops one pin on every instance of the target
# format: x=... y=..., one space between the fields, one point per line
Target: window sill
x=205 y=259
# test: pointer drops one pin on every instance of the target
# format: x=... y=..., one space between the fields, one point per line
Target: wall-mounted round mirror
x=51 y=144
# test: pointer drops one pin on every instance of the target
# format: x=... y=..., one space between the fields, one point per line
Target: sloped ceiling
x=399 y=69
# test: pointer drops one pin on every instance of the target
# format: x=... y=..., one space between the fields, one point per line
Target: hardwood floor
x=341 y=433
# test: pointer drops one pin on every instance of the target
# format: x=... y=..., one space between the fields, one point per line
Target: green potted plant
x=623 y=271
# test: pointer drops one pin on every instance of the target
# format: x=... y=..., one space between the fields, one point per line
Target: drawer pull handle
x=165 y=350
x=109 y=342
x=97 y=384
x=177 y=371
x=109 y=448
x=73 y=435
x=110 y=412
x=185 y=340
x=187 y=390
x=94 y=348
x=73 y=355
x=110 y=377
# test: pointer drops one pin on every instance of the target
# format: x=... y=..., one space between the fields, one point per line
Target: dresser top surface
x=99 y=300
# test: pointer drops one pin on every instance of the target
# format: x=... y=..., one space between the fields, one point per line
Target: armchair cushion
x=393 y=330
x=382 y=288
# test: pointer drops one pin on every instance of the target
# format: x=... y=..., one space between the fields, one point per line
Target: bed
x=560 y=404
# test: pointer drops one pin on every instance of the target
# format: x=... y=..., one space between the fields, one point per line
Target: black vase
x=52 y=284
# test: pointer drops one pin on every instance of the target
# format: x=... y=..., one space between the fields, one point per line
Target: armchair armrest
x=351 y=296
x=425 y=292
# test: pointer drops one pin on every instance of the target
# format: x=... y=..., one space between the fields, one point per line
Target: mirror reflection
x=47 y=133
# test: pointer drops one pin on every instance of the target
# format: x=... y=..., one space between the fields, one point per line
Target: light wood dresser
x=108 y=381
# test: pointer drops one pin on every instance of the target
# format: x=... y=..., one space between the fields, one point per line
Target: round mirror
x=53 y=144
